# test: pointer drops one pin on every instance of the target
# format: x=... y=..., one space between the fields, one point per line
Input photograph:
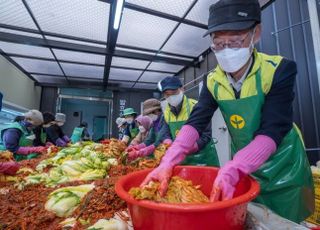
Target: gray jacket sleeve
x=164 y=133
x=205 y=137
x=150 y=138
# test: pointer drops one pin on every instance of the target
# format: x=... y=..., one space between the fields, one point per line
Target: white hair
x=34 y=116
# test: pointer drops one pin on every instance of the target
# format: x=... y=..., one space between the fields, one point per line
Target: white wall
x=220 y=134
x=17 y=88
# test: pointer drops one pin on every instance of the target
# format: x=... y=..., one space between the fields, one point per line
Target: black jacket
x=277 y=111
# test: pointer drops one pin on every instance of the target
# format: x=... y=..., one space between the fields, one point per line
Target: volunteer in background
x=144 y=125
x=18 y=137
x=80 y=133
x=176 y=114
x=10 y=167
x=18 y=118
x=158 y=133
x=131 y=130
x=53 y=129
x=254 y=92
x=122 y=124
x=40 y=133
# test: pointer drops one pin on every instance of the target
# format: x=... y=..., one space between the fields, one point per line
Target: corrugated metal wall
x=49 y=99
x=286 y=31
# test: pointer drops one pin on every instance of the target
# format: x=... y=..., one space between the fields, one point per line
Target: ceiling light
x=117 y=17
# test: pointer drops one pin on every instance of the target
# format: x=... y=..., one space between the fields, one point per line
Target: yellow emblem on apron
x=237 y=122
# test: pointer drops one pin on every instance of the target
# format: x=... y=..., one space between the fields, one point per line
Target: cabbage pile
x=81 y=161
x=65 y=200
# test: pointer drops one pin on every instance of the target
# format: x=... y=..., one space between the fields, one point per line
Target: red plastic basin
x=149 y=215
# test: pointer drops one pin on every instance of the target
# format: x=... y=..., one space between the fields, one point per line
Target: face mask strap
x=251 y=42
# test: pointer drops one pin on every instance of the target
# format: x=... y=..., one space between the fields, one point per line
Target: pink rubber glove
x=140 y=146
x=9 y=168
x=161 y=174
x=28 y=150
x=167 y=142
x=135 y=147
x=245 y=161
x=141 y=153
x=48 y=144
x=195 y=148
x=61 y=143
x=183 y=145
x=66 y=138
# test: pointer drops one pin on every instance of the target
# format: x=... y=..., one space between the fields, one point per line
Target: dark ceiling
x=73 y=43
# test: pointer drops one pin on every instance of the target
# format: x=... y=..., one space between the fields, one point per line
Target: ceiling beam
x=112 y=41
x=160 y=14
x=140 y=69
x=267 y=4
x=164 y=15
x=154 y=51
x=154 y=58
x=100 y=80
x=39 y=28
x=16 y=65
x=33 y=31
x=86 y=63
x=74 y=84
x=47 y=33
x=27 y=40
x=170 y=35
x=81 y=85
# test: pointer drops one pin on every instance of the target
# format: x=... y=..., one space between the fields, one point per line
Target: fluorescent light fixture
x=117 y=16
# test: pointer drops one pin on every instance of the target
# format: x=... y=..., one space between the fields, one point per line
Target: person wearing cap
x=159 y=132
x=121 y=124
x=254 y=92
x=54 y=131
x=18 y=118
x=40 y=131
x=131 y=131
x=144 y=125
x=18 y=137
x=80 y=133
x=176 y=114
x=40 y=136
x=9 y=167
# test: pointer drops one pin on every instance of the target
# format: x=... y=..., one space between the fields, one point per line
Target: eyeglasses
x=219 y=44
x=169 y=93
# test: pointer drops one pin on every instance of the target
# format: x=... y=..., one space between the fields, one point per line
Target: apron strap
x=258 y=83
x=188 y=107
x=215 y=90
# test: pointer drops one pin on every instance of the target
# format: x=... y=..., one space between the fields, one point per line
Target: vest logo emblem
x=177 y=132
x=237 y=122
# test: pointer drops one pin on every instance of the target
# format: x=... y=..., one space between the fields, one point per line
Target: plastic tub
x=149 y=215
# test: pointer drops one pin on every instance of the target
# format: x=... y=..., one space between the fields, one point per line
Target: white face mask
x=153 y=117
x=233 y=59
x=31 y=137
x=60 y=123
x=142 y=129
x=175 y=100
x=129 y=120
